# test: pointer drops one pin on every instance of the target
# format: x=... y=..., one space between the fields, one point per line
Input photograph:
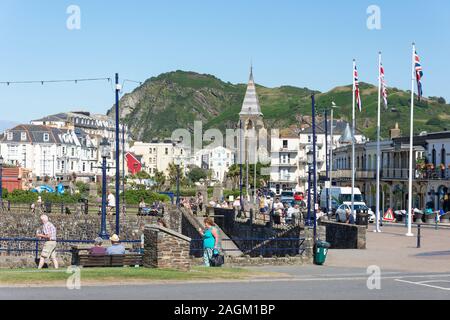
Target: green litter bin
x=320 y=252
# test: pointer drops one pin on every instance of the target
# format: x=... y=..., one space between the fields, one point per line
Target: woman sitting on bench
x=97 y=249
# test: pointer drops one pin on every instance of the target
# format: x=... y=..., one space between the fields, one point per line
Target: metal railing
x=69 y=208
x=261 y=246
x=35 y=243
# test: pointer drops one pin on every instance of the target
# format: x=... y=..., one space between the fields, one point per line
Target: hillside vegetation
x=177 y=99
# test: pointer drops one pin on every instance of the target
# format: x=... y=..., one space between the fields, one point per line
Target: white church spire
x=251 y=106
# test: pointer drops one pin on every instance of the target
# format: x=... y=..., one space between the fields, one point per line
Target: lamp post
x=1 y=181
x=105 y=149
x=314 y=160
x=309 y=159
x=327 y=164
x=240 y=170
x=330 y=203
x=177 y=162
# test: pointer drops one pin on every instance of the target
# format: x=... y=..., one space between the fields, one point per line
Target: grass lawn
x=105 y=275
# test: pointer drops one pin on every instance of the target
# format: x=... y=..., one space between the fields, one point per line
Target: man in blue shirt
x=116 y=248
x=350 y=217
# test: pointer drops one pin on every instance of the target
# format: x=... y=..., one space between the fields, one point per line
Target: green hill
x=176 y=99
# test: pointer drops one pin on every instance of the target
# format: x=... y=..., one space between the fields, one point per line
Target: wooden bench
x=105 y=261
x=83 y=250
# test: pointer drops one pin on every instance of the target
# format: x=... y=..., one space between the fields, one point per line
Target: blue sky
x=302 y=43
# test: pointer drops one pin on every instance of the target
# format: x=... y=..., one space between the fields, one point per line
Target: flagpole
x=378 y=145
x=411 y=146
x=353 y=140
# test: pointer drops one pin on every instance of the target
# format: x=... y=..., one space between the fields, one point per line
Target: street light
x=177 y=162
x=1 y=181
x=330 y=203
x=309 y=160
x=105 y=150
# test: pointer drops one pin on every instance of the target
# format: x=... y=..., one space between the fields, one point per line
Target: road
x=302 y=283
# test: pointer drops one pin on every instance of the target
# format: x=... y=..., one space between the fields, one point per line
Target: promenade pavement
x=393 y=250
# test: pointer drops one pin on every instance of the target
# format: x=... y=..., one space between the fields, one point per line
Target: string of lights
x=42 y=82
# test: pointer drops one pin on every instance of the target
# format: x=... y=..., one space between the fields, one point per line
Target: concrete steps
x=229 y=247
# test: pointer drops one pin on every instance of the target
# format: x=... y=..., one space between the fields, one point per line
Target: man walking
x=49 y=250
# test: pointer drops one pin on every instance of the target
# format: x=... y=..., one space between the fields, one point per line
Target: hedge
x=22 y=196
x=135 y=196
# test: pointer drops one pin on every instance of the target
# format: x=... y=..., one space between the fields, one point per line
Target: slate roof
x=34 y=134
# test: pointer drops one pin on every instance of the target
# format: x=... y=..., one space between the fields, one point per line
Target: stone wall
x=74 y=227
x=166 y=249
x=345 y=236
x=189 y=228
x=258 y=240
x=248 y=261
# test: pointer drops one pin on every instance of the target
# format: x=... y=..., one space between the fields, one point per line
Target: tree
x=196 y=174
x=160 y=179
x=234 y=171
x=173 y=173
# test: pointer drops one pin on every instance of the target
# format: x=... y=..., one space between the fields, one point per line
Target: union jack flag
x=419 y=75
x=356 y=88
x=384 y=92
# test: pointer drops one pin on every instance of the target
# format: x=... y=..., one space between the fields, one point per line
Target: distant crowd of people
x=157 y=208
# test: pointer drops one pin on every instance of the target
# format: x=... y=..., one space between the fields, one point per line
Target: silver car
x=341 y=215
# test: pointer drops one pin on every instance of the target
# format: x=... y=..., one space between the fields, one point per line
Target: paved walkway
x=392 y=250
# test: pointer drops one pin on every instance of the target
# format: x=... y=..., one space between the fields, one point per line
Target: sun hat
x=114 y=238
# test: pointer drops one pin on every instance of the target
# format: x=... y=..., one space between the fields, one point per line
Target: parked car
x=299 y=196
x=287 y=196
x=339 y=196
x=359 y=208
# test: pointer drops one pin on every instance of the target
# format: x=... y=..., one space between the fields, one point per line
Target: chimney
x=395 y=132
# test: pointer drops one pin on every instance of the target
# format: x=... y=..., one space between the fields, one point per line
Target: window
x=73 y=152
x=13 y=151
x=46 y=137
x=84 y=167
x=10 y=136
x=23 y=136
x=167 y=151
x=285 y=144
x=92 y=167
x=63 y=150
x=71 y=166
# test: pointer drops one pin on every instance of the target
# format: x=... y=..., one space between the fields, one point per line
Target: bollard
x=418 y=236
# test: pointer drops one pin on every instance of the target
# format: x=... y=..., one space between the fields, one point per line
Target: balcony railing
x=288 y=149
x=427 y=174
x=347 y=174
x=286 y=178
x=285 y=164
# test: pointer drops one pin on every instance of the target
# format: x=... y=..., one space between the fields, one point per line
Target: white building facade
x=218 y=160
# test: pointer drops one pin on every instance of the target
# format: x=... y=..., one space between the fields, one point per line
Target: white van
x=340 y=196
